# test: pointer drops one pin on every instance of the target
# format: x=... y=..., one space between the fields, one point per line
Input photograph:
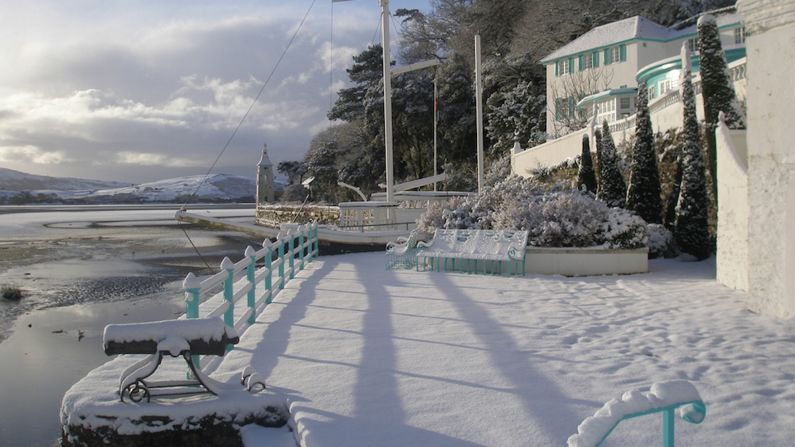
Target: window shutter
x=557 y=109
x=571 y=65
x=607 y=56
x=571 y=107
x=557 y=68
x=622 y=53
x=581 y=62
x=595 y=58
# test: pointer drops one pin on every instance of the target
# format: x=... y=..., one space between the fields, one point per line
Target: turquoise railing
x=695 y=414
x=245 y=282
x=683 y=399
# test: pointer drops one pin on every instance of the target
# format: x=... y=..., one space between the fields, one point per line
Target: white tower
x=264 y=178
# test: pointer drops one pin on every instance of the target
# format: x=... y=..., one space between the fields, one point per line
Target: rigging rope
x=239 y=124
x=250 y=107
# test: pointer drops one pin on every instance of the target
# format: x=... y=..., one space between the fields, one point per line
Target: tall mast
x=390 y=184
x=479 y=111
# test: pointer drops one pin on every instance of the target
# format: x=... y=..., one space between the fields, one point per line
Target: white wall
x=733 y=218
x=771 y=155
x=585 y=261
x=548 y=154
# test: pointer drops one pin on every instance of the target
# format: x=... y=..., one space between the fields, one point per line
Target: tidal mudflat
x=78 y=271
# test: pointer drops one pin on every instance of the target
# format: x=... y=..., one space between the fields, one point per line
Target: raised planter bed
x=570 y=261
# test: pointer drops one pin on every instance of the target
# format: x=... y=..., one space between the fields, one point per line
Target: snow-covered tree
x=586 y=179
x=294 y=170
x=716 y=89
x=517 y=111
x=597 y=135
x=669 y=220
x=613 y=190
x=643 y=193
x=691 y=230
x=320 y=163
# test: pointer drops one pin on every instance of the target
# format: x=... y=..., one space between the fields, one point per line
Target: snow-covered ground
x=372 y=357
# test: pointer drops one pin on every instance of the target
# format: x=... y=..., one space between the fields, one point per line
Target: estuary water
x=79 y=269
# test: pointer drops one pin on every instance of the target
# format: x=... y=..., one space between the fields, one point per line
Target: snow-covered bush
x=661 y=242
x=499 y=170
x=562 y=218
x=624 y=230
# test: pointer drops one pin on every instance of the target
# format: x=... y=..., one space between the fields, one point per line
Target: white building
x=604 y=66
x=598 y=73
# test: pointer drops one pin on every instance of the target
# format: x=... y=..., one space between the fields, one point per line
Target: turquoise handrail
x=695 y=414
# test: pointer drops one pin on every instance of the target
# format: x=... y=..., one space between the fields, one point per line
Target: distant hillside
x=11 y=180
x=20 y=188
x=217 y=187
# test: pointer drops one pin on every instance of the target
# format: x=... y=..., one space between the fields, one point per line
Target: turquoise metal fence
x=246 y=282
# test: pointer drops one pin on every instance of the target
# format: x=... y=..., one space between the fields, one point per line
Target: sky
x=142 y=90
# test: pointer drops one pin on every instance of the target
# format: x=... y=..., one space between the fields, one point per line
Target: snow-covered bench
x=401 y=253
x=474 y=251
x=176 y=338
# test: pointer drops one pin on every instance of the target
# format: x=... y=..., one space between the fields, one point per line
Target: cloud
x=147 y=159
x=145 y=96
x=30 y=154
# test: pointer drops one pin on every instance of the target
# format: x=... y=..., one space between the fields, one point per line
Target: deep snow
x=374 y=357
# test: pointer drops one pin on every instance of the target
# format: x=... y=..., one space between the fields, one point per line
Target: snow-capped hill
x=216 y=187
x=11 y=180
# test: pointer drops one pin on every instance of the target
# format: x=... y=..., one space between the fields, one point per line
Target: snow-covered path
x=369 y=357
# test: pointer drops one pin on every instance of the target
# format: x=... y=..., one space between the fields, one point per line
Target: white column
x=390 y=184
x=435 y=108
x=479 y=109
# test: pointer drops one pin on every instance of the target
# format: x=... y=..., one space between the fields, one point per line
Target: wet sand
x=80 y=271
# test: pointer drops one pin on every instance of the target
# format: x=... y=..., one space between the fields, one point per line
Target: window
x=558 y=109
x=615 y=54
x=587 y=61
x=691 y=44
x=739 y=35
x=565 y=67
x=624 y=103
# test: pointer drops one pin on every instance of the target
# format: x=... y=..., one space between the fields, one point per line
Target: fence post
x=668 y=427
x=192 y=287
x=291 y=256
x=317 y=240
x=251 y=297
x=301 y=240
x=269 y=265
x=229 y=315
x=280 y=241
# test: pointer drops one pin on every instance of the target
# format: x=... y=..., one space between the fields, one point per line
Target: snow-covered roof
x=624 y=91
x=637 y=27
x=632 y=28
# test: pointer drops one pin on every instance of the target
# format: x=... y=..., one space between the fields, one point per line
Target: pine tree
x=691 y=231
x=586 y=179
x=673 y=198
x=597 y=135
x=716 y=89
x=643 y=194
x=613 y=189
